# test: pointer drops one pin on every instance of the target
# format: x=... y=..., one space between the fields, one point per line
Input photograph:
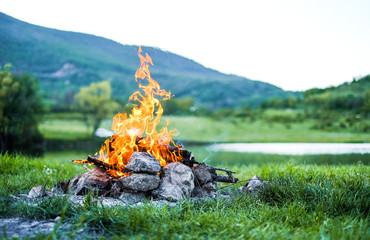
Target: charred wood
x=99 y=163
x=226 y=179
x=212 y=170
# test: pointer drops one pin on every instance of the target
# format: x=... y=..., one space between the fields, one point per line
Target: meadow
x=301 y=201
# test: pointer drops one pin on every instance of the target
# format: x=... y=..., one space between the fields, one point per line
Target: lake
x=293 y=148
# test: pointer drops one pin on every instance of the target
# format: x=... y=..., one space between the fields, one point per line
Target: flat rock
x=177 y=182
x=96 y=179
x=21 y=228
x=252 y=185
x=37 y=192
x=129 y=197
x=139 y=182
x=143 y=162
x=169 y=191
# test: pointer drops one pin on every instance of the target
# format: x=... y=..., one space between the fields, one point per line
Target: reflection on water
x=293 y=148
x=206 y=154
x=231 y=158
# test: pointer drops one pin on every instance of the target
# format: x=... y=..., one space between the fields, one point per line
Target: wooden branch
x=226 y=179
x=224 y=169
x=218 y=178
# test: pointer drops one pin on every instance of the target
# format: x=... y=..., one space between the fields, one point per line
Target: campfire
x=138 y=161
x=138 y=131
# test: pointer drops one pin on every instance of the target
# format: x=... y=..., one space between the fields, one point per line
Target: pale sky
x=295 y=44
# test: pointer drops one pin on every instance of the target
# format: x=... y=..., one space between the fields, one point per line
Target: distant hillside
x=354 y=96
x=65 y=61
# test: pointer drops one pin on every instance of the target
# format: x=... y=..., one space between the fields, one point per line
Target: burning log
x=96 y=162
x=176 y=151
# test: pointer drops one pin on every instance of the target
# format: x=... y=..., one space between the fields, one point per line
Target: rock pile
x=147 y=179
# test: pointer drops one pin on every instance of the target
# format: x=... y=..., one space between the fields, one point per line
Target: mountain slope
x=65 y=61
x=353 y=96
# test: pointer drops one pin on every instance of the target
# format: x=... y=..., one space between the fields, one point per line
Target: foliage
x=289 y=102
x=63 y=102
x=179 y=106
x=20 y=111
x=344 y=106
x=96 y=104
x=348 y=96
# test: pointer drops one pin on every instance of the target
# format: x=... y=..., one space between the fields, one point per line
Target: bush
x=20 y=111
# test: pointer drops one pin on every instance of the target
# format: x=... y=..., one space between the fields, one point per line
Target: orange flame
x=138 y=131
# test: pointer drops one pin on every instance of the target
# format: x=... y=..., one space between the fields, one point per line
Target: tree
x=21 y=109
x=95 y=103
x=178 y=106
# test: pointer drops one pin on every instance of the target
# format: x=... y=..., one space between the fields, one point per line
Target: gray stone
x=12 y=228
x=115 y=190
x=207 y=190
x=112 y=202
x=252 y=185
x=96 y=179
x=139 y=182
x=129 y=197
x=203 y=174
x=143 y=162
x=37 y=192
x=177 y=182
x=169 y=191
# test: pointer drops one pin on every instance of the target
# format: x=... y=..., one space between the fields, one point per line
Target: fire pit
x=138 y=161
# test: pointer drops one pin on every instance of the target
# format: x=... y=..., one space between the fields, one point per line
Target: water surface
x=293 y=148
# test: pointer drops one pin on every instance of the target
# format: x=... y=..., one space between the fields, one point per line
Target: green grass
x=301 y=201
x=65 y=129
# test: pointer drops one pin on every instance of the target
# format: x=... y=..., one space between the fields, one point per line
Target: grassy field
x=65 y=129
x=308 y=197
x=301 y=201
x=208 y=130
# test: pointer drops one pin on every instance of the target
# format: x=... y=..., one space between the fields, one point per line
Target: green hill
x=65 y=61
x=353 y=96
